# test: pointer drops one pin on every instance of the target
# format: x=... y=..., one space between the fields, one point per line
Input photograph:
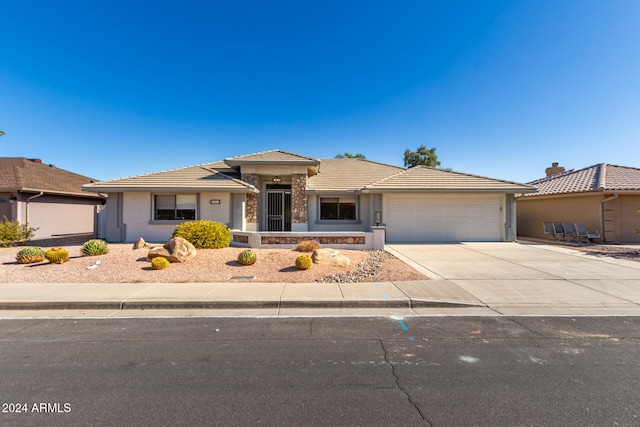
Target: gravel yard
x=125 y=265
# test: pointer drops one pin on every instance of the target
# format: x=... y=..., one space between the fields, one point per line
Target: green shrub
x=57 y=255
x=307 y=246
x=204 y=234
x=247 y=257
x=12 y=232
x=304 y=262
x=30 y=255
x=159 y=263
x=94 y=247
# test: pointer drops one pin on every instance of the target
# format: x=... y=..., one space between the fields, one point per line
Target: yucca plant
x=94 y=247
x=30 y=255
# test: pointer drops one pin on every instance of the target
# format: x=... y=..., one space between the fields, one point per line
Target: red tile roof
x=22 y=174
x=600 y=177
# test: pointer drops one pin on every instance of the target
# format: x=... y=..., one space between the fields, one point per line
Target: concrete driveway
x=518 y=278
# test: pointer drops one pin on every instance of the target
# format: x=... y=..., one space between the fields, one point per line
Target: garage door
x=443 y=218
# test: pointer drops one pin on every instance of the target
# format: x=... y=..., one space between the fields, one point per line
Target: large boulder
x=329 y=256
x=175 y=250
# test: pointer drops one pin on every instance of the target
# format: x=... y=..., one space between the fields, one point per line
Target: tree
x=350 y=156
x=421 y=156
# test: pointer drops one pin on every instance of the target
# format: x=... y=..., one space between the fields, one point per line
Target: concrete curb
x=189 y=305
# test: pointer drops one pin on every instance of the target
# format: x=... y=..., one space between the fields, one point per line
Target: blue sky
x=500 y=88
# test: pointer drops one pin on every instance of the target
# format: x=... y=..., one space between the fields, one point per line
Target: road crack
x=398 y=385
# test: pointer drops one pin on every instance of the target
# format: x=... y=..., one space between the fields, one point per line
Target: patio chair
x=558 y=229
x=548 y=230
x=583 y=234
x=570 y=231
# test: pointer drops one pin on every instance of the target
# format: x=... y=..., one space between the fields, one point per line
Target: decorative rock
x=139 y=244
x=329 y=256
x=175 y=250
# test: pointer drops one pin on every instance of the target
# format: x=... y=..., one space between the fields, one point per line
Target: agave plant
x=94 y=247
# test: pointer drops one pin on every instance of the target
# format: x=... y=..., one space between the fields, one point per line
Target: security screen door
x=278 y=210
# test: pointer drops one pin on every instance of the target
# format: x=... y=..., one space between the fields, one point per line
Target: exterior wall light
x=277 y=180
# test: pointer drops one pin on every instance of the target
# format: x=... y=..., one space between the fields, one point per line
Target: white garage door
x=443 y=218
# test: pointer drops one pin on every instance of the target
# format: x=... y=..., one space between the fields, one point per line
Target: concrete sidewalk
x=466 y=278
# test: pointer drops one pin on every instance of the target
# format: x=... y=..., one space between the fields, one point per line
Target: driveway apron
x=510 y=276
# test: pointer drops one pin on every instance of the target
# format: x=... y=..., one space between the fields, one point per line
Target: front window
x=176 y=207
x=338 y=208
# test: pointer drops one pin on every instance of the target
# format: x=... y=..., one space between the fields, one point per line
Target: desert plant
x=57 y=255
x=204 y=234
x=247 y=257
x=12 y=232
x=30 y=255
x=307 y=246
x=159 y=263
x=94 y=247
x=304 y=262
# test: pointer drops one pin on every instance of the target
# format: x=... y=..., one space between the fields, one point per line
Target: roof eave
x=112 y=189
x=449 y=190
x=61 y=193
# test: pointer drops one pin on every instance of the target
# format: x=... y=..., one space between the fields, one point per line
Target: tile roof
x=600 y=177
x=348 y=174
x=276 y=157
x=427 y=179
x=22 y=174
x=199 y=177
x=329 y=175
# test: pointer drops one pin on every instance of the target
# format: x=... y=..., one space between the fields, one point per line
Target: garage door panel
x=435 y=218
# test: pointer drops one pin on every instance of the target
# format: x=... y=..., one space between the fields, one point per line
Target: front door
x=278 y=208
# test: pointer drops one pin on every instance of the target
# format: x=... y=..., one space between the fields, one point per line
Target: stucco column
x=252 y=207
x=299 y=204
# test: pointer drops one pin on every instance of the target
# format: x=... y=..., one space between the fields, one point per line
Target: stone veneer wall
x=298 y=198
x=252 y=198
x=325 y=240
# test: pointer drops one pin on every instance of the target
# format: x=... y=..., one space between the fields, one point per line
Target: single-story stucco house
x=604 y=197
x=47 y=198
x=280 y=192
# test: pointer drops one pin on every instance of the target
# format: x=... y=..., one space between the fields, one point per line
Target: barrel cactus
x=304 y=262
x=159 y=263
x=94 y=247
x=57 y=255
x=30 y=255
x=247 y=257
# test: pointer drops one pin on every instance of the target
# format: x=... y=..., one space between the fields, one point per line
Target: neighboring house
x=47 y=198
x=279 y=191
x=604 y=197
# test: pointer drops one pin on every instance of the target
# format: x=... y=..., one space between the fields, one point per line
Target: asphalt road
x=437 y=371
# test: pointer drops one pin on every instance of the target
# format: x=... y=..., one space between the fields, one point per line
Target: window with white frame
x=174 y=207
x=338 y=208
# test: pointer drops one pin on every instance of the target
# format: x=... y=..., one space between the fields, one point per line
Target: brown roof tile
x=22 y=174
x=600 y=177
